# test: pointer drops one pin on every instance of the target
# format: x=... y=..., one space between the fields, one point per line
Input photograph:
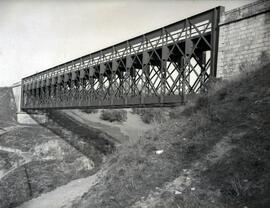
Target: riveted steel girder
x=155 y=69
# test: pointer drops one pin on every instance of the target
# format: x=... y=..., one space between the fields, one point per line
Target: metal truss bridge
x=155 y=69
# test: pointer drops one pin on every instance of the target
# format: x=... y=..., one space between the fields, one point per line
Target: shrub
x=87 y=110
x=113 y=115
x=201 y=102
x=150 y=115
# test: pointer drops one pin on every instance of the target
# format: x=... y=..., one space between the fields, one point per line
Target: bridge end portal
x=23 y=117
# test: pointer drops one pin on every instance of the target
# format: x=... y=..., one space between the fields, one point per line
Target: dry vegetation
x=152 y=115
x=113 y=115
x=216 y=153
x=89 y=111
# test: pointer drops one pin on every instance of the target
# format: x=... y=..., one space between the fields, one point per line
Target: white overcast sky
x=38 y=34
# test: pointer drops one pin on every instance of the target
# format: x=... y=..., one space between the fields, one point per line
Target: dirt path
x=62 y=196
x=8 y=149
x=25 y=155
x=7 y=129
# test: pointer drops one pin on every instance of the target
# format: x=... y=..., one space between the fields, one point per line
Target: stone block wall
x=244 y=39
x=25 y=118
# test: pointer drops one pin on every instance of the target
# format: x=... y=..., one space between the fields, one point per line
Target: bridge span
x=155 y=69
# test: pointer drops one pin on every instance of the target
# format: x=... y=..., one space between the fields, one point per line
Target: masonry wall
x=244 y=39
x=16 y=88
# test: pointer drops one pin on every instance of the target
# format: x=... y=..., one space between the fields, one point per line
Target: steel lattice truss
x=155 y=69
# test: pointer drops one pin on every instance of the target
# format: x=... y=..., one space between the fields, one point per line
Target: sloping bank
x=61 y=150
x=215 y=154
x=90 y=141
x=64 y=195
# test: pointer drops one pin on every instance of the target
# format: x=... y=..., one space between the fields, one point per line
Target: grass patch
x=89 y=110
x=151 y=115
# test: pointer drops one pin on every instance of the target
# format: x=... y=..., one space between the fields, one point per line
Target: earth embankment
x=35 y=159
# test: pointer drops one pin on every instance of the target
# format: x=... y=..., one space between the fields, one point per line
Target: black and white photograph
x=134 y=103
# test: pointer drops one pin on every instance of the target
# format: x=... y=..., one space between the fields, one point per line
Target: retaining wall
x=244 y=38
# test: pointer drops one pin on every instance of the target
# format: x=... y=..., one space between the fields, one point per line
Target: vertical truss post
x=165 y=56
x=133 y=81
x=132 y=73
x=28 y=97
x=47 y=92
x=202 y=62
x=214 y=39
x=58 y=96
x=101 y=81
x=82 y=96
x=34 y=91
x=186 y=62
x=53 y=94
x=182 y=85
x=67 y=87
x=42 y=93
x=73 y=87
x=21 y=104
x=91 y=90
x=37 y=94
x=24 y=96
x=121 y=83
x=145 y=68
x=82 y=91
x=111 y=77
x=146 y=71
x=91 y=83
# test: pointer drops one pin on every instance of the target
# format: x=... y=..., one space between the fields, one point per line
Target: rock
x=158 y=152
x=177 y=192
